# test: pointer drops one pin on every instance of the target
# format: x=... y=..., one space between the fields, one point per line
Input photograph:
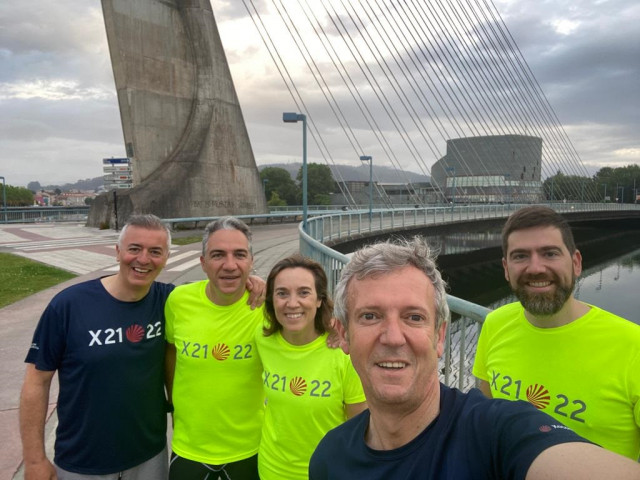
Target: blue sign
x=107 y=161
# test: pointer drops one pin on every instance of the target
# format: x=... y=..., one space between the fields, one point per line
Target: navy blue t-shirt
x=109 y=356
x=473 y=437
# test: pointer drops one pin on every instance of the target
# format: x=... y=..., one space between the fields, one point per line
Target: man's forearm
x=34 y=402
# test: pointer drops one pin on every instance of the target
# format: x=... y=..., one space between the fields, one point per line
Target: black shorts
x=182 y=469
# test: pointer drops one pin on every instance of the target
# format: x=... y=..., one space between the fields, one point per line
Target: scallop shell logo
x=538 y=396
x=298 y=386
x=135 y=333
x=220 y=352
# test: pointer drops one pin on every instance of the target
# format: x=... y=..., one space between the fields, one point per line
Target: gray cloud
x=60 y=113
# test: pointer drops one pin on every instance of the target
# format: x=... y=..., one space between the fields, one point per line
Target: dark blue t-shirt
x=109 y=356
x=472 y=438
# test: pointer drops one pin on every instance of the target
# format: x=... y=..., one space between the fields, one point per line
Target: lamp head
x=291 y=117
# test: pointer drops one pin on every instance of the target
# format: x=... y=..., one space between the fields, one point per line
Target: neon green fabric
x=217 y=388
x=585 y=374
x=306 y=387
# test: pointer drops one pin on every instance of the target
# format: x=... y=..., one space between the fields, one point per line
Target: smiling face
x=227 y=262
x=392 y=339
x=296 y=302
x=142 y=254
x=540 y=270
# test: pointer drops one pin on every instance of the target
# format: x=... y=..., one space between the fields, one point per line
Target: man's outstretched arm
x=582 y=461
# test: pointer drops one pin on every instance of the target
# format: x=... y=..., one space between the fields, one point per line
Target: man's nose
x=536 y=264
x=393 y=333
x=230 y=263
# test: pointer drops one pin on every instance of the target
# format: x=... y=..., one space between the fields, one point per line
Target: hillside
x=359 y=173
x=346 y=172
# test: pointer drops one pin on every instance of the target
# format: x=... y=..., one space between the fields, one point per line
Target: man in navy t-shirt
x=392 y=312
x=105 y=338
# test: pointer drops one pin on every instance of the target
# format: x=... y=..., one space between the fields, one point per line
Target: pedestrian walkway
x=89 y=253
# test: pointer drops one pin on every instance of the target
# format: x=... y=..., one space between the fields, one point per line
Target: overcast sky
x=59 y=115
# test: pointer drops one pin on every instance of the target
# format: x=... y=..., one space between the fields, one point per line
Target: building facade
x=490 y=169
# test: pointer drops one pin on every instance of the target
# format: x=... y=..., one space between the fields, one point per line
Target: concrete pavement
x=89 y=253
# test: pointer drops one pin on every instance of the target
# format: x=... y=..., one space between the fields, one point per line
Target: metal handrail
x=462 y=334
x=457 y=336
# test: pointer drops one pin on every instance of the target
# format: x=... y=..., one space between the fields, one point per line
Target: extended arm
x=582 y=461
x=34 y=402
x=484 y=387
x=169 y=369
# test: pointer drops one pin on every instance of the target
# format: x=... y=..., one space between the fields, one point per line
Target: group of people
x=253 y=389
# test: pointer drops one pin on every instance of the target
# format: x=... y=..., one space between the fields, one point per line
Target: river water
x=613 y=286
x=610 y=279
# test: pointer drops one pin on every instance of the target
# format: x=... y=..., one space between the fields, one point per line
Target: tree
x=88 y=201
x=570 y=188
x=320 y=184
x=618 y=184
x=276 y=201
x=279 y=180
x=34 y=186
x=17 y=196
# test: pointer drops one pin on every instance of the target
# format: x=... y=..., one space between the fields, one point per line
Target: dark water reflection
x=471 y=263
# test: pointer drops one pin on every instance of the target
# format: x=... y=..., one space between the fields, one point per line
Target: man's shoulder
x=510 y=312
x=344 y=436
x=611 y=320
x=163 y=288
x=186 y=289
x=78 y=291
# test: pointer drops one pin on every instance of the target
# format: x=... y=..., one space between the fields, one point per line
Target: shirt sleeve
x=169 y=318
x=480 y=361
x=49 y=340
x=521 y=433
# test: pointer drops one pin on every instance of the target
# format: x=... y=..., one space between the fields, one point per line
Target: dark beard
x=545 y=304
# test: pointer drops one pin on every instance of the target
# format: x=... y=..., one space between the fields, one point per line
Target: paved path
x=89 y=253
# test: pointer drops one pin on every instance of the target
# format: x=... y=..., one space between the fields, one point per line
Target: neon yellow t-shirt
x=307 y=387
x=585 y=374
x=217 y=387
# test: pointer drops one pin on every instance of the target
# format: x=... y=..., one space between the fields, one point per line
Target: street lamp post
x=291 y=117
x=264 y=187
x=368 y=158
x=507 y=186
x=4 y=198
x=453 y=196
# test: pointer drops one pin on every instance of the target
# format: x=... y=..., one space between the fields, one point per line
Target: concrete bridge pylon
x=182 y=122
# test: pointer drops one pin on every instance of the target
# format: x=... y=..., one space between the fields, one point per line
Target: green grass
x=21 y=277
x=186 y=240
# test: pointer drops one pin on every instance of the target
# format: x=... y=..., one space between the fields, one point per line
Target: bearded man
x=570 y=359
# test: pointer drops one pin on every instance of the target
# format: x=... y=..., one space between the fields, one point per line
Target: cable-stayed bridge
x=438 y=87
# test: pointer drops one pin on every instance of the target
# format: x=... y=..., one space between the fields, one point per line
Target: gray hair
x=225 y=223
x=148 y=221
x=382 y=258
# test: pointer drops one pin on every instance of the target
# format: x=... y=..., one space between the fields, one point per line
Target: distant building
x=74 y=199
x=43 y=199
x=386 y=194
x=490 y=169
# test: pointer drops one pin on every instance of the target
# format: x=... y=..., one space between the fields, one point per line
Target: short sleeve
x=49 y=340
x=521 y=433
x=480 y=362
x=169 y=318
